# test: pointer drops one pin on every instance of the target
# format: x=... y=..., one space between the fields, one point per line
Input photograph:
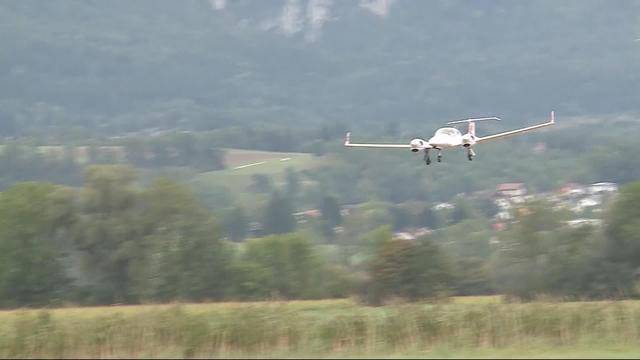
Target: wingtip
x=347 y=138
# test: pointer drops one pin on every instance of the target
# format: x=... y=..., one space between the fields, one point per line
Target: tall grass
x=312 y=328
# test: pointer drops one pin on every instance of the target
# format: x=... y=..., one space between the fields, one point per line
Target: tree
x=108 y=232
x=183 y=256
x=260 y=183
x=236 y=224
x=292 y=187
x=278 y=215
x=409 y=269
x=524 y=257
x=429 y=218
x=31 y=262
x=331 y=216
x=282 y=266
x=462 y=210
x=623 y=227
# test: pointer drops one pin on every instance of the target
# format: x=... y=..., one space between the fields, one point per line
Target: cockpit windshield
x=448 y=132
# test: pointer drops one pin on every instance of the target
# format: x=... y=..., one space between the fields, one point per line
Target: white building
x=503 y=215
x=584 y=222
x=603 y=187
x=586 y=203
x=511 y=190
x=443 y=206
x=502 y=203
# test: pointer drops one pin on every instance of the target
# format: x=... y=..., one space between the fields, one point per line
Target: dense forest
x=72 y=69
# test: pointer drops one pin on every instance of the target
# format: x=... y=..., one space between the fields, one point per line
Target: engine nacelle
x=468 y=140
x=417 y=145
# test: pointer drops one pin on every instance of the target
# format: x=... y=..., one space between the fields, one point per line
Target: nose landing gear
x=427 y=159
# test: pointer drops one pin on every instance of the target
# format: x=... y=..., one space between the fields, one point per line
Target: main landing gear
x=470 y=153
x=427 y=158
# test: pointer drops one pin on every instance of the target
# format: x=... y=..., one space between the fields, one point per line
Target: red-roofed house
x=511 y=190
x=572 y=189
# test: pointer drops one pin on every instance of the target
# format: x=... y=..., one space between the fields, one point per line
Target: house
x=588 y=202
x=443 y=206
x=572 y=189
x=411 y=234
x=511 y=190
x=303 y=216
x=584 y=222
x=420 y=232
x=503 y=215
x=603 y=187
x=404 y=236
x=503 y=204
x=54 y=153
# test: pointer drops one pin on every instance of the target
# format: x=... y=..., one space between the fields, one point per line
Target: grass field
x=464 y=327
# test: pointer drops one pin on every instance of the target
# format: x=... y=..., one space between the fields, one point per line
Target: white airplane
x=450 y=137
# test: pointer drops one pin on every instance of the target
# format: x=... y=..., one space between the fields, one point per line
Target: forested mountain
x=112 y=67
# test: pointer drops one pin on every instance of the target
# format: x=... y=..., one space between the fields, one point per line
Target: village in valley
x=585 y=204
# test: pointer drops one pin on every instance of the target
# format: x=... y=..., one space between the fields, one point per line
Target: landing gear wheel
x=428 y=161
x=470 y=157
x=439 y=158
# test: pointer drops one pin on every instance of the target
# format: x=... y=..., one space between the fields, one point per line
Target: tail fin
x=347 y=139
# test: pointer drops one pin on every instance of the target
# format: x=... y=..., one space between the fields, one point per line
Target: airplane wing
x=347 y=143
x=517 y=131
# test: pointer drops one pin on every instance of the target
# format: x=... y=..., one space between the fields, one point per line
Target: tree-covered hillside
x=105 y=68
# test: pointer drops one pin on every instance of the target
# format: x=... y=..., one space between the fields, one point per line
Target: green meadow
x=243 y=165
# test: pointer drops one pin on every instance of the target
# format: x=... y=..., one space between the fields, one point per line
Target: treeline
x=112 y=241
x=22 y=163
x=183 y=149
x=64 y=164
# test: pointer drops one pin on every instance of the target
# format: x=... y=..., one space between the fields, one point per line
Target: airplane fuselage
x=446 y=138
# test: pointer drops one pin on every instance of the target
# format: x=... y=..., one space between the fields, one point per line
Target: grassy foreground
x=337 y=328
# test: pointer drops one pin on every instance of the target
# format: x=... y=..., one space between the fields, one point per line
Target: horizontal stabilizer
x=473 y=120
